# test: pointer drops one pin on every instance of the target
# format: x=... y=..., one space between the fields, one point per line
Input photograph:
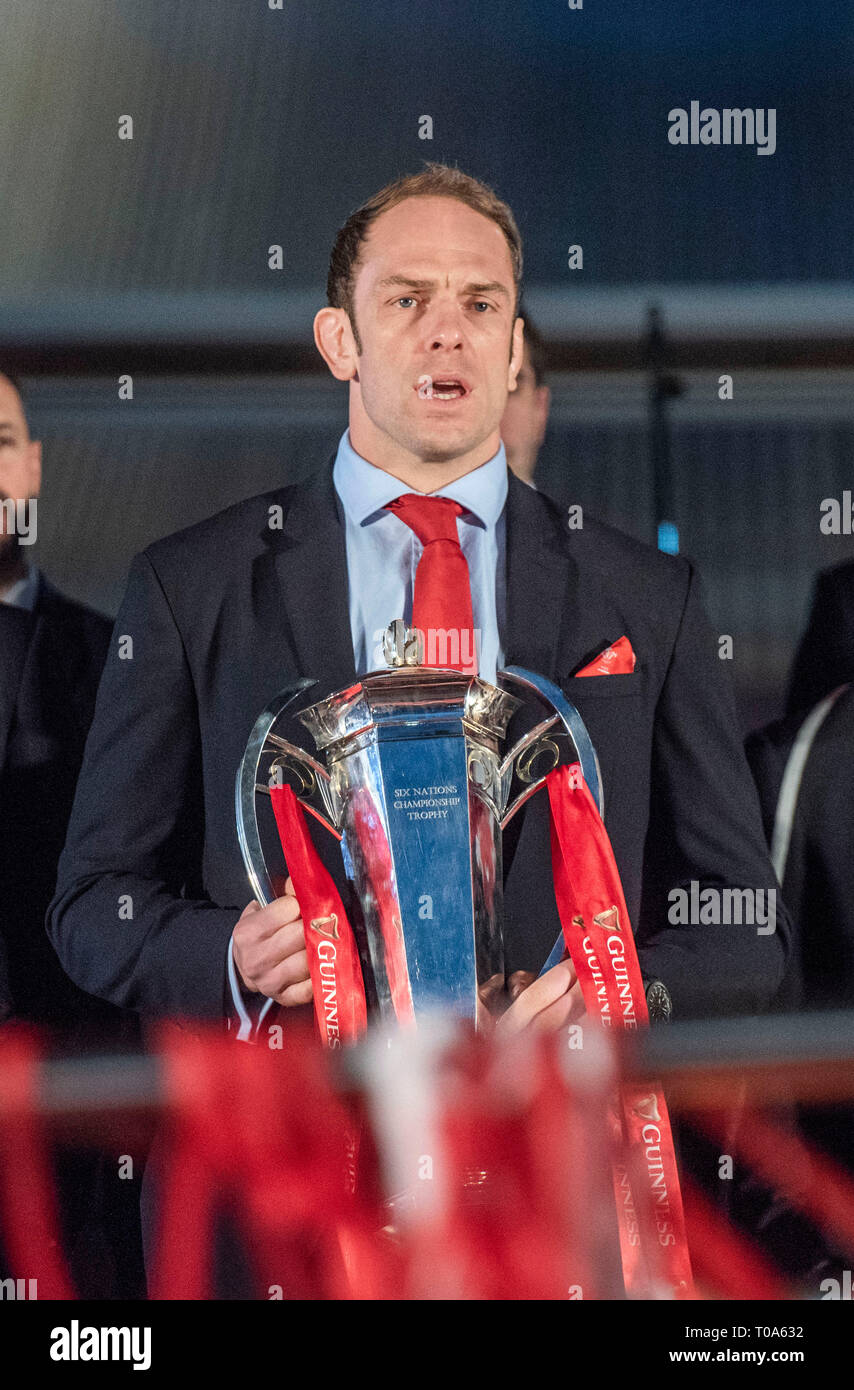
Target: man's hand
x=269 y=950
x=547 y=1003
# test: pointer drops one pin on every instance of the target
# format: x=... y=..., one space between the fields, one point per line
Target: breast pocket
x=619 y=723
x=577 y=688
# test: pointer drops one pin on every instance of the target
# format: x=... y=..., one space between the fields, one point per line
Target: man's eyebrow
x=8 y=425
x=475 y=287
x=491 y=287
x=408 y=281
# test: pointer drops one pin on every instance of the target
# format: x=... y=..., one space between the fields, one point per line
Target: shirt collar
x=364 y=489
x=24 y=592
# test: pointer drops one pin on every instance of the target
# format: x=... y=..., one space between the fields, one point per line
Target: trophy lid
x=409 y=694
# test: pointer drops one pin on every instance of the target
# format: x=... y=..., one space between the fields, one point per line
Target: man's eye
x=481 y=305
x=405 y=299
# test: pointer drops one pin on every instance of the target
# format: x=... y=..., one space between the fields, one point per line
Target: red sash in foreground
x=29 y=1214
x=600 y=942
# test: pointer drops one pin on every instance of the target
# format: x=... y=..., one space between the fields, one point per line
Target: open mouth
x=446 y=388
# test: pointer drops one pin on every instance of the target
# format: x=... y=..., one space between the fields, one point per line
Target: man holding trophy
x=418 y=524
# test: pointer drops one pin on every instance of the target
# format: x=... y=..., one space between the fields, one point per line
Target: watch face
x=658 y=1002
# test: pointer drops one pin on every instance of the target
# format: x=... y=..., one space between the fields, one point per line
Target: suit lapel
x=310 y=563
x=55 y=679
x=16 y=628
x=542 y=583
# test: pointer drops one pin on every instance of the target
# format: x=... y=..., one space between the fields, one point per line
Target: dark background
x=255 y=126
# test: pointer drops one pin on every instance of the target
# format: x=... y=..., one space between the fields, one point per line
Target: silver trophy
x=416 y=787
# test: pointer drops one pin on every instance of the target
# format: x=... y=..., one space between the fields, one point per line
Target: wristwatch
x=658 y=1002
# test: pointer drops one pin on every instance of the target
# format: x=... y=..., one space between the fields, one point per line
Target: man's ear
x=517 y=352
x=34 y=460
x=333 y=335
x=543 y=401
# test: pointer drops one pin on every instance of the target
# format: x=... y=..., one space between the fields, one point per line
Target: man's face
x=523 y=425
x=434 y=306
x=20 y=459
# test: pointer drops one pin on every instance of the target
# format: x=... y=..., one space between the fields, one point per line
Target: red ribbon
x=600 y=941
x=379 y=869
x=28 y=1206
x=333 y=959
x=271 y=1142
x=808 y=1178
x=513 y=1227
x=725 y=1262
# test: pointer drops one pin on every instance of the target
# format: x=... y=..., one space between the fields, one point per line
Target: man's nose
x=444 y=327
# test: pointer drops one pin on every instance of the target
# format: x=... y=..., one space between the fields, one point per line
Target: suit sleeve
x=124 y=920
x=706 y=827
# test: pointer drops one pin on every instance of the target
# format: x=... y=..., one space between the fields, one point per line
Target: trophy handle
x=246 y=786
x=537 y=739
x=314 y=775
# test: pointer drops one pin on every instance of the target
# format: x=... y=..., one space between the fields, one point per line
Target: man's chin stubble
x=428 y=454
x=435 y=451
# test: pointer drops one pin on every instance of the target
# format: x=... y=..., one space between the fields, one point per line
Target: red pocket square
x=616 y=660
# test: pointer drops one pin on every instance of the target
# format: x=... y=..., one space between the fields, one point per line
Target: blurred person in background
x=803 y=765
x=825 y=657
x=526 y=414
x=51 y=655
x=804 y=769
x=52 y=650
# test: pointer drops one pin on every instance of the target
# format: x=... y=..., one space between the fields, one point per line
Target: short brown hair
x=434 y=181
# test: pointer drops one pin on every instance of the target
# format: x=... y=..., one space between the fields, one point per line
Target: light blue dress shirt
x=383 y=553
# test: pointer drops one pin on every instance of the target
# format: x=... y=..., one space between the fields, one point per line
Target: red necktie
x=441 y=603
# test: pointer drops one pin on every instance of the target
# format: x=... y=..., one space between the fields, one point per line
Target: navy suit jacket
x=224 y=614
